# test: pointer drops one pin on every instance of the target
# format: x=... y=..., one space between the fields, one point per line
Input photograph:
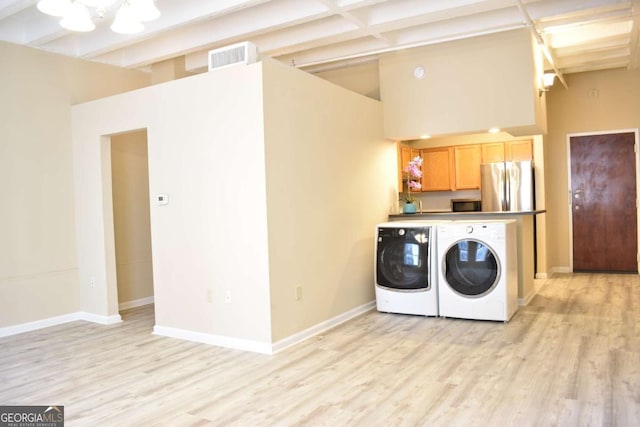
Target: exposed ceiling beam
x=601 y=45
x=543 y=46
x=9 y=7
x=166 y=37
x=620 y=55
x=323 y=33
x=596 y=67
x=584 y=15
x=407 y=37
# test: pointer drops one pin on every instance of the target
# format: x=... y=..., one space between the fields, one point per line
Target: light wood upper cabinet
x=467 y=167
x=512 y=151
x=493 y=152
x=405 y=155
x=437 y=169
x=457 y=167
x=519 y=150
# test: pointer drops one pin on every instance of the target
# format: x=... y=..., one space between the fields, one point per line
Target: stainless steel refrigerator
x=507 y=186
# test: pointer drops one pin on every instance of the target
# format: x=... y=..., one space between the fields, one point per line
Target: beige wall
x=38 y=268
x=219 y=268
x=360 y=78
x=330 y=178
x=573 y=110
x=209 y=244
x=170 y=69
x=469 y=86
x=132 y=228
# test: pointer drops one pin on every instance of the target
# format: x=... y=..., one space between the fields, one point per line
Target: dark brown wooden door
x=603 y=181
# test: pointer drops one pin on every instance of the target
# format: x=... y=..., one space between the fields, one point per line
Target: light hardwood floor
x=569 y=358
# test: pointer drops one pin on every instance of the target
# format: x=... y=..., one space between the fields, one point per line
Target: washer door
x=471 y=268
x=403 y=259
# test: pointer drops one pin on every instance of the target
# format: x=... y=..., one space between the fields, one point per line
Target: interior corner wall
x=38 y=266
x=361 y=78
x=209 y=243
x=169 y=69
x=540 y=221
x=540 y=100
x=594 y=102
x=330 y=178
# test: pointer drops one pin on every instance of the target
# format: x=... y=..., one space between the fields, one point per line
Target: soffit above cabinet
x=467 y=86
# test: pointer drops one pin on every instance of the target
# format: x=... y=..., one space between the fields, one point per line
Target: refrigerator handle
x=506 y=201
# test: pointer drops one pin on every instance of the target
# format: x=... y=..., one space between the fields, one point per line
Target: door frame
x=635 y=131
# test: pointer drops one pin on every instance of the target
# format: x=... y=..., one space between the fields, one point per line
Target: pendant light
x=77 y=18
x=76 y=15
x=54 y=7
x=126 y=21
x=145 y=10
x=99 y=4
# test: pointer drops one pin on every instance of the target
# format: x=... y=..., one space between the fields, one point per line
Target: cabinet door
x=519 y=150
x=493 y=152
x=414 y=153
x=405 y=155
x=436 y=169
x=467 y=167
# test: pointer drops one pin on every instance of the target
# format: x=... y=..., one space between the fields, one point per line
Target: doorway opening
x=603 y=185
x=131 y=221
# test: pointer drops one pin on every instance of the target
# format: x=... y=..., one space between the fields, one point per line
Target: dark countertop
x=441 y=214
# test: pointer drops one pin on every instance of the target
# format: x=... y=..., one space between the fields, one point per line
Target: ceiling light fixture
x=547 y=82
x=77 y=18
x=76 y=15
x=126 y=21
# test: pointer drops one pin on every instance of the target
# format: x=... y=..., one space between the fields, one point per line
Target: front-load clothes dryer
x=405 y=268
x=478 y=274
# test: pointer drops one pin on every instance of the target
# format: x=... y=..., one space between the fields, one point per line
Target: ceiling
x=580 y=35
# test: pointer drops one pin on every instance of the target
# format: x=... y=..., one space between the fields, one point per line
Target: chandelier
x=76 y=15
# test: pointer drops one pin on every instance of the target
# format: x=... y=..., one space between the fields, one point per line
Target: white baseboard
x=58 y=320
x=527 y=298
x=38 y=324
x=542 y=276
x=135 y=303
x=219 y=340
x=561 y=270
x=257 y=346
x=321 y=327
x=97 y=318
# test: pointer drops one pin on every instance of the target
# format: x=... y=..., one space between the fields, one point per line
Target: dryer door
x=471 y=268
x=402 y=258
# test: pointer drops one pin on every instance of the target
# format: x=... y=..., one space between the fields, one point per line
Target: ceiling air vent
x=240 y=53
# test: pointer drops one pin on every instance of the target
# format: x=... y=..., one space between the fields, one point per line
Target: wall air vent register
x=239 y=53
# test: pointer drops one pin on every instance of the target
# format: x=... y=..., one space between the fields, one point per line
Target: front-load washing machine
x=478 y=274
x=405 y=268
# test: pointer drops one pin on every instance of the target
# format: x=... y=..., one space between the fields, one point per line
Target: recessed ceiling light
x=425 y=136
x=494 y=130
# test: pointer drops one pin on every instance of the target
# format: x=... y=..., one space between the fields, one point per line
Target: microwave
x=465 y=205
